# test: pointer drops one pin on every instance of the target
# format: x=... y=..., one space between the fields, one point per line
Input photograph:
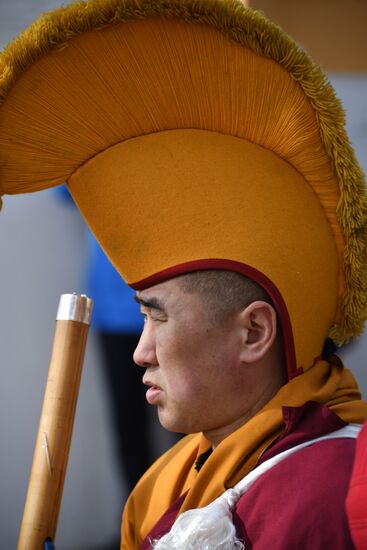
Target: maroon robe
x=299 y=503
x=357 y=496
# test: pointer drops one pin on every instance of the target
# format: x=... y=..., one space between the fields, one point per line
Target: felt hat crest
x=194 y=134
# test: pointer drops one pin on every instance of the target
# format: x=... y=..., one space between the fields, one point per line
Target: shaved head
x=224 y=292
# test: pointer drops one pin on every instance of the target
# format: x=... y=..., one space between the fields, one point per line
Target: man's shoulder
x=304 y=496
x=322 y=466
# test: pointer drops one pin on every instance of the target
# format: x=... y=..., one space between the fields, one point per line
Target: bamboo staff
x=55 y=429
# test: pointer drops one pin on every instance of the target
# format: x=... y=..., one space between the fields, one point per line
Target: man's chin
x=172 y=424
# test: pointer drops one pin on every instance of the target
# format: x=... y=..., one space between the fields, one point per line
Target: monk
x=209 y=156
x=214 y=363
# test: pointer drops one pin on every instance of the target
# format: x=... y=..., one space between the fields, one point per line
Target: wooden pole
x=57 y=418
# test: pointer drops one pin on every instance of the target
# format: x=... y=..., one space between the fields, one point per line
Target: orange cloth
x=174 y=474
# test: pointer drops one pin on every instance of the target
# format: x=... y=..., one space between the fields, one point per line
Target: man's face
x=192 y=368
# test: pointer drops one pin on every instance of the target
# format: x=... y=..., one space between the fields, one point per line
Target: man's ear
x=259 y=330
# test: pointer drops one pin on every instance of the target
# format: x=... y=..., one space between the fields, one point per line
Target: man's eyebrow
x=151 y=303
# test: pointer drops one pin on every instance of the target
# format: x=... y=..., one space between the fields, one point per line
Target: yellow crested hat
x=194 y=134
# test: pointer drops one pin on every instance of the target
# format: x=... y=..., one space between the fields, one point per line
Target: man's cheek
x=178 y=390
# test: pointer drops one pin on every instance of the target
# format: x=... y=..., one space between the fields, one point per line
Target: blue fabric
x=49 y=545
x=114 y=307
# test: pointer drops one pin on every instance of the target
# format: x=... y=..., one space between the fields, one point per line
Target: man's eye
x=149 y=317
x=157 y=319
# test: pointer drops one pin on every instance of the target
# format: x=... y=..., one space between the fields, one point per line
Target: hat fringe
x=250 y=28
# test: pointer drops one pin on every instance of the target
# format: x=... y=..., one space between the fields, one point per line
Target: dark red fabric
x=164 y=524
x=357 y=495
x=303 y=423
x=299 y=503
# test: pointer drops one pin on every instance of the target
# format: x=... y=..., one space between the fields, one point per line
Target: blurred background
x=43 y=255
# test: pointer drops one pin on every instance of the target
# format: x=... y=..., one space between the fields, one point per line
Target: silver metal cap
x=75 y=307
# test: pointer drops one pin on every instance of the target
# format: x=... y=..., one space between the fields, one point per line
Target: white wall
x=352 y=90
x=42 y=252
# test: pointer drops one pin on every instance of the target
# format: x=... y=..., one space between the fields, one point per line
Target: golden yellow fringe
x=251 y=29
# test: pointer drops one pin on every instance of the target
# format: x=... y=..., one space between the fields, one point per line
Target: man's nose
x=144 y=354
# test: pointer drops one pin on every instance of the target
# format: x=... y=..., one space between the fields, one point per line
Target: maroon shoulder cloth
x=357 y=496
x=300 y=502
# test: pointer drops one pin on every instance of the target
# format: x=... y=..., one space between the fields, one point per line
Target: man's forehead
x=166 y=287
x=157 y=295
x=167 y=295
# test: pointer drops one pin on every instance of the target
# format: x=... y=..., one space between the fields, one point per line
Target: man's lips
x=153 y=392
